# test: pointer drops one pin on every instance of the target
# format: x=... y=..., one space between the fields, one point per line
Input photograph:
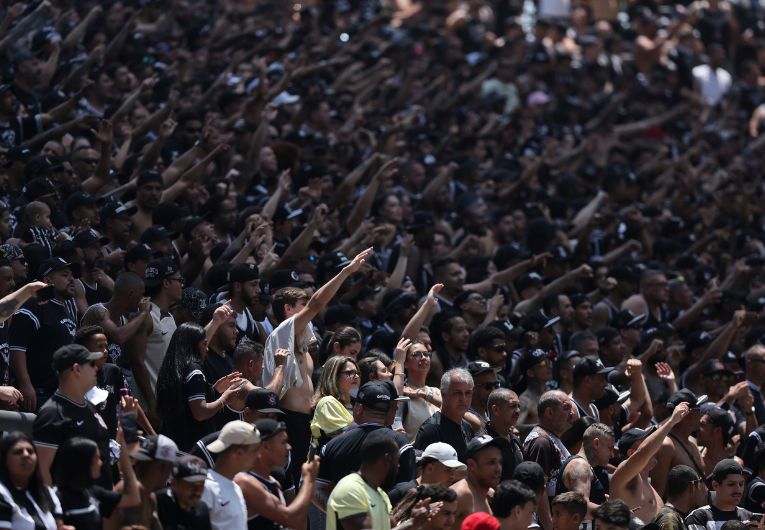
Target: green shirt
x=353 y=496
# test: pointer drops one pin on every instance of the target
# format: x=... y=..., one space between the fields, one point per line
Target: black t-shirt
x=86 y=509
x=110 y=378
x=512 y=455
x=439 y=428
x=39 y=330
x=341 y=456
x=400 y=490
x=173 y=517
x=5 y=356
x=61 y=418
x=17 y=130
x=217 y=366
x=182 y=427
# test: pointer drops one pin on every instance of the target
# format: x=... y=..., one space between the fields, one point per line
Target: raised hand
x=359 y=260
x=280 y=356
x=225 y=382
x=680 y=412
x=432 y=298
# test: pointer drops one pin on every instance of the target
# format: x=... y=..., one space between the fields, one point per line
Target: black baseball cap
x=686 y=396
x=138 y=253
x=480 y=367
x=538 y=321
x=79 y=199
x=243 y=272
x=628 y=320
x=190 y=224
x=533 y=357
x=377 y=395
x=528 y=280
x=700 y=339
x=591 y=366
x=116 y=209
x=158 y=270
x=282 y=214
x=148 y=176
x=38 y=188
x=631 y=437
x=190 y=468
x=88 y=239
x=714 y=366
x=283 y=278
x=479 y=443
x=531 y=474
x=720 y=417
x=396 y=299
x=156 y=233
x=725 y=467
x=17 y=154
x=610 y=396
x=166 y=213
x=51 y=265
x=330 y=264
x=66 y=356
x=269 y=428
x=262 y=400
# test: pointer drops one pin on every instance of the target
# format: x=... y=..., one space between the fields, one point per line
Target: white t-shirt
x=225 y=501
x=713 y=84
x=157 y=343
x=284 y=337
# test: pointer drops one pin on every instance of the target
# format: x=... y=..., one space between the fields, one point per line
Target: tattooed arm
x=9 y=304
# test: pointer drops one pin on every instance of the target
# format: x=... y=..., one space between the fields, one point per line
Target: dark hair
x=483 y=337
x=367 y=370
x=508 y=495
x=71 y=466
x=36 y=487
x=758 y=461
x=574 y=434
x=247 y=349
x=376 y=445
x=434 y=492
x=181 y=353
x=571 y=501
x=286 y=295
x=679 y=480
x=86 y=333
x=345 y=337
x=734 y=524
x=613 y=512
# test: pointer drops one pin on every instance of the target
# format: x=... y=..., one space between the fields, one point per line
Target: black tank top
x=257 y=521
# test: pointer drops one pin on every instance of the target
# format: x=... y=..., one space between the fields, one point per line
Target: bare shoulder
x=95 y=314
x=462 y=488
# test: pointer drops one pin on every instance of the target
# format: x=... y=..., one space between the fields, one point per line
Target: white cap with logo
x=235 y=433
x=445 y=454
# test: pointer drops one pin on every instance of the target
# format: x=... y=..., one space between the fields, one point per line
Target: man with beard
x=504 y=409
x=39 y=329
x=452 y=335
x=484 y=471
x=96 y=284
x=359 y=499
x=148 y=194
x=244 y=293
x=679 y=447
x=543 y=445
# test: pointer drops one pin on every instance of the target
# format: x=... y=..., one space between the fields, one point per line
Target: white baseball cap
x=444 y=453
x=235 y=433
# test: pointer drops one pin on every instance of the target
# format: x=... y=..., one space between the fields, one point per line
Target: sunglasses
x=489 y=386
x=421 y=354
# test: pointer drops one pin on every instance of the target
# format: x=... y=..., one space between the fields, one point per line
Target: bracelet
x=398 y=373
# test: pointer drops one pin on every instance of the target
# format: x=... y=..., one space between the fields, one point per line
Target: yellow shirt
x=353 y=496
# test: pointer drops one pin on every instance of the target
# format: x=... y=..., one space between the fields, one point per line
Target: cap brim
x=270 y=411
x=624 y=396
x=216 y=447
x=551 y=322
x=454 y=464
x=95 y=355
x=701 y=400
x=140 y=456
x=194 y=478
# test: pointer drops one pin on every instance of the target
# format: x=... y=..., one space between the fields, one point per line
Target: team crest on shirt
x=71 y=327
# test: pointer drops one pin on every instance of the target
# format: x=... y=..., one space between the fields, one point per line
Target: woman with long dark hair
x=25 y=502
x=185 y=399
x=76 y=468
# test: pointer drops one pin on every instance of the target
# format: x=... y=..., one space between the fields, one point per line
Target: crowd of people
x=412 y=264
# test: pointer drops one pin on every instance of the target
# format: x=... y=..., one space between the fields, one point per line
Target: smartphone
x=129 y=423
x=45 y=294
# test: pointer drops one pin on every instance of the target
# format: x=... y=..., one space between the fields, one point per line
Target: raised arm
x=10 y=303
x=415 y=323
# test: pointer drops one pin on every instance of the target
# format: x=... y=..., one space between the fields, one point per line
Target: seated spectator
x=186 y=401
x=25 y=500
x=84 y=504
x=332 y=400
x=728 y=480
x=179 y=505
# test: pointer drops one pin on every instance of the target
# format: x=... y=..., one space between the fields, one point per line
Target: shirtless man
x=637 y=449
x=484 y=470
x=294 y=310
x=679 y=447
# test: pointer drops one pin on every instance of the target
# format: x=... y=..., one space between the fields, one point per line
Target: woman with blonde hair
x=332 y=400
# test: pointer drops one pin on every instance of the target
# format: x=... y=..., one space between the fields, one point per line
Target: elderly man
x=557 y=413
x=448 y=425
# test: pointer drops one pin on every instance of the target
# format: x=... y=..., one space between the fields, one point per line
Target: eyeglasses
x=421 y=355
x=489 y=386
x=350 y=373
x=499 y=348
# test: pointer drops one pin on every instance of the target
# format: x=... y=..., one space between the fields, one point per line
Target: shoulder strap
x=687 y=452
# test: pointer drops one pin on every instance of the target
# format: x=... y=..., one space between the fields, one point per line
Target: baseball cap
x=590 y=366
x=166 y=213
x=606 y=334
x=189 y=226
x=51 y=265
x=243 y=272
x=190 y=468
x=531 y=474
x=79 y=199
x=396 y=299
x=528 y=280
x=533 y=357
x=720 y=417
x=714 y=366
x=330 y=264
x=146 y=177
x=610 y=396
x=158 y=447
x=269 y=428
x=444 y=453
x=158 y=270
x=138 y=253
x=156 y=233
x=66 y=356
x=479 y=367
x=283 y=278
x=116 y=209
x=373 y=394
x=17 y=154
x=262 y=400
x=235 y=433
x=37 y=188
x=479 y=443
x=725 y=467
x=698 y=340
x=628 y=320
x=283 y=214
x=538 y=321
x=686 y=396
x=480 y=521
x=88 y=239
x=631 y=437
